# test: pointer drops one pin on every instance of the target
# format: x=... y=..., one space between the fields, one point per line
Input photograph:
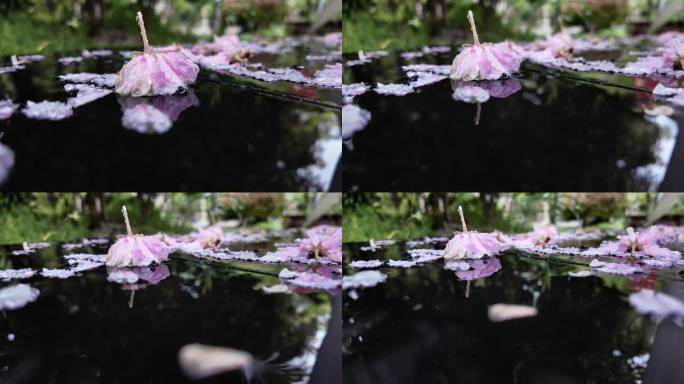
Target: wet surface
x=562 y=130
x=82 y=330
x=419 y=326
x=234 y=133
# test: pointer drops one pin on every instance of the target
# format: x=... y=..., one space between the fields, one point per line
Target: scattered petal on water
x=365 y=264
x=401 y=263
x=201 y=361
x=421 y=79
x=106 y=80
x=393 y=89
x=661 y=90
x=47 y=110
x=70 y=60
x=96 y=53
x=57 y=273
x=349 y=91
x=363 y=279
x=583 y=273
x=84 y=94
x=17 y=296
x=505 y=312
x=12 y=274
x=278 y=288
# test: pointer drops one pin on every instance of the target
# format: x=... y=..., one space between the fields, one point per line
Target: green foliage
x=362 y=223
x=364 y=31
x=23 y=34
x=37 y=221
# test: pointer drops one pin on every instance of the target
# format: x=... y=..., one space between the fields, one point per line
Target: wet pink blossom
x=673 y=52
x=558 y=45
x=323 y=241
x=472 y=245
x=646 y=65
x=163 y=71
x=136 y=250
x=209 y=237
x=482 y=61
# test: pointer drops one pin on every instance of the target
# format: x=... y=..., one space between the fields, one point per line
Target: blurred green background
x=401 y=216
x=39 y=26
x=70 y=216
x=406 y=24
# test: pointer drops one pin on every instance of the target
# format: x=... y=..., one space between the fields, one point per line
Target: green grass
x=365 y=223
x=362 y=31
x=23 y=223
x=22 y=34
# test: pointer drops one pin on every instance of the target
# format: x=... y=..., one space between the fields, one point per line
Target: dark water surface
x=82 y=330
x=241 y=134
x=563 y=130
x=419 y=326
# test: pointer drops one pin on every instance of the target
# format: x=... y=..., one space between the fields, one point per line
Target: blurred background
x=69 y=216
x=400 y=216
x=407 y=24
x=40 y=26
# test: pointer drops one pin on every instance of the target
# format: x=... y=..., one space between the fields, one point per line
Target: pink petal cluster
x=210 y=237
x=323 y=241
x=484 y=61
x=136 y=250
x=673 y=52
x=155 y=71
x=472 y=245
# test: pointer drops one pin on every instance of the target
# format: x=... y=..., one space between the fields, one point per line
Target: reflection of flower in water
x=480 y=91
x=130 y=277
x=6 y=162
x=154 y=114
x=479 y=269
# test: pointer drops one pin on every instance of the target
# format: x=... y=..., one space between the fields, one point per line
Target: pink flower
x=136 y=250
x=210 y=237
x=152 y=72
x=673 y=52
x=472 y=245
x=635 y=241
x=484 y=61
x=322 y=241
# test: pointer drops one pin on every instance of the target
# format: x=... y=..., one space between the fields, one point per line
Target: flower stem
x=471 y=20
x=460 y=212
x=128 y=224
x=141 y=24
